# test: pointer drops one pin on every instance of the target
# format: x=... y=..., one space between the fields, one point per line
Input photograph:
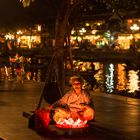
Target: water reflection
x=133 y=81
x=109 y=78
x=121 y=77
x=118 y=78
x=112 y=78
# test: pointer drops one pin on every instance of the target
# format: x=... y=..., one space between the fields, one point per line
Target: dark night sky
x=10 y=11
x=13 y=13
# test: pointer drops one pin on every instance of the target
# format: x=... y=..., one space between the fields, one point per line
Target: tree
x=62 y=10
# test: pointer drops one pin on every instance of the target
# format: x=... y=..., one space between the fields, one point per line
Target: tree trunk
x=60 y=31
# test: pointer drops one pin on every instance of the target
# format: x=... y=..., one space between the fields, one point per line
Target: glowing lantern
x=70 y=123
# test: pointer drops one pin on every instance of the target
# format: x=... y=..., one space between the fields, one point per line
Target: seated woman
x=75 y=104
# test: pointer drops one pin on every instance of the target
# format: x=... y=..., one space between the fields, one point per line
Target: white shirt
x=76 y=102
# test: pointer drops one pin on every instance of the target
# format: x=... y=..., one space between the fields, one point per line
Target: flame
x=70 y=123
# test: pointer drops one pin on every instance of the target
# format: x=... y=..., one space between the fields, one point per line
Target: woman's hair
x=76 y=78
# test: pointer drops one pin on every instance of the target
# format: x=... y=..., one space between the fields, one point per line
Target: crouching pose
x=75 y=104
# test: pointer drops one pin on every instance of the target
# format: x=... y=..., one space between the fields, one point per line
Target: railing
x=84 y=55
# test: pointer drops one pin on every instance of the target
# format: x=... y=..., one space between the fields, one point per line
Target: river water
x=116 y=78
x=121 y=79
x=113 y=78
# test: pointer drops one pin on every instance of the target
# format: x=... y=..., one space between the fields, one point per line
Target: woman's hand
x=83 y=105
x=65 y=106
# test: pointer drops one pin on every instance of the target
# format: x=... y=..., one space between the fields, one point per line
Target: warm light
x=121 y=83
x=19 y=32
x=112 y=38
x=134 y=27
x=39 y=28
x=131 y=36
x=124 y=41
x=110 y=79
x=99 y=23
x=9 y=36
x=87 y=24
x=130 y=21
x=72 y=32
x=94 y=31
x=70 y=123
x=83 y=30
x=79 y=38
x=133 y=84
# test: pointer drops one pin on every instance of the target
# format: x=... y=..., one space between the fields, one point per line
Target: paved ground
x=116 y=117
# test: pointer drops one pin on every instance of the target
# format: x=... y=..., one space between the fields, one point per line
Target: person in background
x=89 y=77
x=76 y=103
x=5 y=68
x=27 y=68
x=19 y=68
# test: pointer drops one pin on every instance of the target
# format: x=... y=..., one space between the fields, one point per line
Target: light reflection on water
x=133 y=81
x=120 y=79
x=116 y=78
x=109 y=78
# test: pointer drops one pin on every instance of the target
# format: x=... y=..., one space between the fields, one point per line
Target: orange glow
x=121 y=77
x=70 y=123
x=130 y=21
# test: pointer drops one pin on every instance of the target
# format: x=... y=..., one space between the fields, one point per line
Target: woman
x=75 y=104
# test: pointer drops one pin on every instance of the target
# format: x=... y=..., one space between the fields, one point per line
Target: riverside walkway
x=116 y=117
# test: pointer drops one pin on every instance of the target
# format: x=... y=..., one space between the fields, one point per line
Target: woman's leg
x=88 y=114
x=60 y=114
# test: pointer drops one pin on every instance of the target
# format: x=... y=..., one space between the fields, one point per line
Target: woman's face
x=76 y=85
